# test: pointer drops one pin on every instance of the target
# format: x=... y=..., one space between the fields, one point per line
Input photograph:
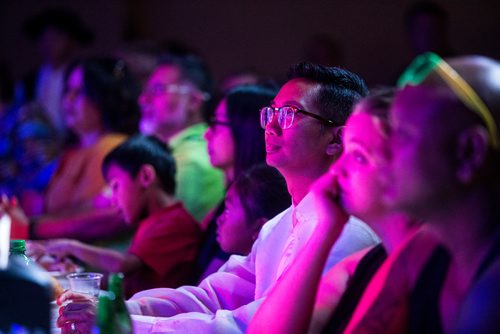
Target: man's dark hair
x=192 y=68
x=262 y=191
x=340 y=89
x=140 y=150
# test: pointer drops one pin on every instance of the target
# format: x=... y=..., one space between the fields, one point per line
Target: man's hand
x=79 y=315
x=60 y=248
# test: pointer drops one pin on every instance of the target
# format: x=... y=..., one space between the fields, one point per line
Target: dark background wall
x=264 y=35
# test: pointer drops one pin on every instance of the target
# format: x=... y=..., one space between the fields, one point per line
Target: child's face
x=127 y=194
x=234 y=234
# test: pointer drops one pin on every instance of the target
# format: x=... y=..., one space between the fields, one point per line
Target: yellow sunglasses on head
x=430 y=62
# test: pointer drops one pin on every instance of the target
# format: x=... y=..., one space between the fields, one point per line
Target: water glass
x=87 y=283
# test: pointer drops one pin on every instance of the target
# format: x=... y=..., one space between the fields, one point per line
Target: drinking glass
x=87 y=283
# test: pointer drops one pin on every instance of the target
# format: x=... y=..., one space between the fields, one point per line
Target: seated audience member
x=235 y=142
x=302 y=133
x=354 y=185
x=100 y=108
x=60 y=35
x=445 y=172
x=256 y=196
x=141 y=174
x=172 y=104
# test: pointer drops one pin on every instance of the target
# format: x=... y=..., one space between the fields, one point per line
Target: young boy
x=141 y=175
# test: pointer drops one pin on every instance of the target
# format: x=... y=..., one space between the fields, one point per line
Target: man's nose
x=273 y=127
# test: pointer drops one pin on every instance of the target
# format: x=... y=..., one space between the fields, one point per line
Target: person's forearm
x=84 y=226
x=100 y=258
x=289 y=306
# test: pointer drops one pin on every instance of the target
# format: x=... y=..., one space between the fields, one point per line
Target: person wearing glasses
x=444 y=170
x=302 y=148
x=172 y=105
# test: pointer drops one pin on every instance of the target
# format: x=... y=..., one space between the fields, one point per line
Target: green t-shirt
x=199 y=185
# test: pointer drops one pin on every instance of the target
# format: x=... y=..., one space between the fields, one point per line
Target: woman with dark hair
x=100 y=109
x=235 y=138
x=235 y=143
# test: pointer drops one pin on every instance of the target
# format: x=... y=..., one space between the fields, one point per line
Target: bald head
x=440 y=147
x=482 y=74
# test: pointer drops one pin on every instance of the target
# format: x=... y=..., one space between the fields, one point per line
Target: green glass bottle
x=112 y=312
x=105 y=314
x=18 y=249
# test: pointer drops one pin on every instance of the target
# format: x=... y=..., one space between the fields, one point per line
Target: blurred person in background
x=100 y=110
x=141 y=175
x=172 y=104
x=59 y=34
x=235 y=143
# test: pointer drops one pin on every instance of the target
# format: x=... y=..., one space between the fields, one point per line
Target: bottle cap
x=18 y=245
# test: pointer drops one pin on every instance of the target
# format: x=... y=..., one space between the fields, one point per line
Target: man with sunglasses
x=445 y=163
x=302 y=131
x=172 y=103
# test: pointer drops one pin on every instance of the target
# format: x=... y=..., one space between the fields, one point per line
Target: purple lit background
x=262 y=35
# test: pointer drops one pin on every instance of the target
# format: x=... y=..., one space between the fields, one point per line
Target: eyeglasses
x=212 y=122
x=430 y=62
x=286 y=115
x=159 y=88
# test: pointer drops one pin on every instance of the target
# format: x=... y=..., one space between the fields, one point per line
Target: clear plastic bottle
x=18 y=250
x=26 y=293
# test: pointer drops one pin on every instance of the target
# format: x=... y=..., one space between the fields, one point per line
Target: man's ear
x=147 y=175
x=257 y=225
x=335 y=146
x=472 y=150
